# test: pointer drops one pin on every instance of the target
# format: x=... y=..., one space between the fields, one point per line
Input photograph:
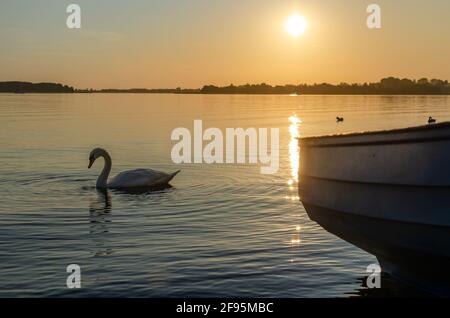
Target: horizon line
x=341 y=83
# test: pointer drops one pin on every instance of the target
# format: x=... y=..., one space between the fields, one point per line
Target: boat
x=388 y=193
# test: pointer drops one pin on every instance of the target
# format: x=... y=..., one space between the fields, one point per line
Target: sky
x=190 y=43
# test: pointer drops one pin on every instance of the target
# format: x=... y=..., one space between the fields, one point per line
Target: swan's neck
x=102 y=180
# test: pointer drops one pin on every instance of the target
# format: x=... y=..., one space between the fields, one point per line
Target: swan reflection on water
x=100 y=214
x=101 y=208
x=99 y=220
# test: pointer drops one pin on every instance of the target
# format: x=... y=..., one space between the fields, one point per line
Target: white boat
x=387 y=192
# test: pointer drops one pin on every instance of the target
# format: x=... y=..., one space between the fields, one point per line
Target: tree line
x=387 y=86
x=27 y=87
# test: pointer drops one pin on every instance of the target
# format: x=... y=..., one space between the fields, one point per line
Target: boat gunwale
x=311 y=141
x=378 y=184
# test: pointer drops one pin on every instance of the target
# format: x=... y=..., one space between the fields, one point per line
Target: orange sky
x=154 y=44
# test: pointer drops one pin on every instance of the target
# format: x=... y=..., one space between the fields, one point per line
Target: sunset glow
x=296 y=25
x=157 y=45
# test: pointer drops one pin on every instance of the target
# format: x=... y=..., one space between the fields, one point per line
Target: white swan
x=139 y=178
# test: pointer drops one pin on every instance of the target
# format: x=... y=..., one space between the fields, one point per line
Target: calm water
x=222 y=230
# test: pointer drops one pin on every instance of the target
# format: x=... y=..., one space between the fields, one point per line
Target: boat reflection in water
x=388 y=193
x=389 y=287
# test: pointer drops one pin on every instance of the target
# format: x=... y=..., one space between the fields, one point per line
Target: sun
x=296 y=25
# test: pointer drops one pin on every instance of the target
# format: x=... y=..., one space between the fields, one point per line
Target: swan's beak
x=91 y=162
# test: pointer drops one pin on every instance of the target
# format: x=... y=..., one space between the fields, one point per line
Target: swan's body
x=138 y=178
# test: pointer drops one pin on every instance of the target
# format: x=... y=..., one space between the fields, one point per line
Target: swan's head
x=97 y=152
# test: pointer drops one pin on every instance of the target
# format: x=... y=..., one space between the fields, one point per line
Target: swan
x=431 y=120
x=339 y=119
x=138 y=178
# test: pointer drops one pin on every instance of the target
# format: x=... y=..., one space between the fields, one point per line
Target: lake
x=221 y=230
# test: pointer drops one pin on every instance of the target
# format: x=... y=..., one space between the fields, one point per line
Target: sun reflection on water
x=294 y=154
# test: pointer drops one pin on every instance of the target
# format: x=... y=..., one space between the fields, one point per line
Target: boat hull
x=393 y=245
x=387 y=193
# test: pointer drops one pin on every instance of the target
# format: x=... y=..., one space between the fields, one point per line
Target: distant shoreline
x=234 y=94
x=387 y=86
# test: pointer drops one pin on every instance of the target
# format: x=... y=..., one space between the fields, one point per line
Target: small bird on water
x=431 y=120
x=339 y=119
